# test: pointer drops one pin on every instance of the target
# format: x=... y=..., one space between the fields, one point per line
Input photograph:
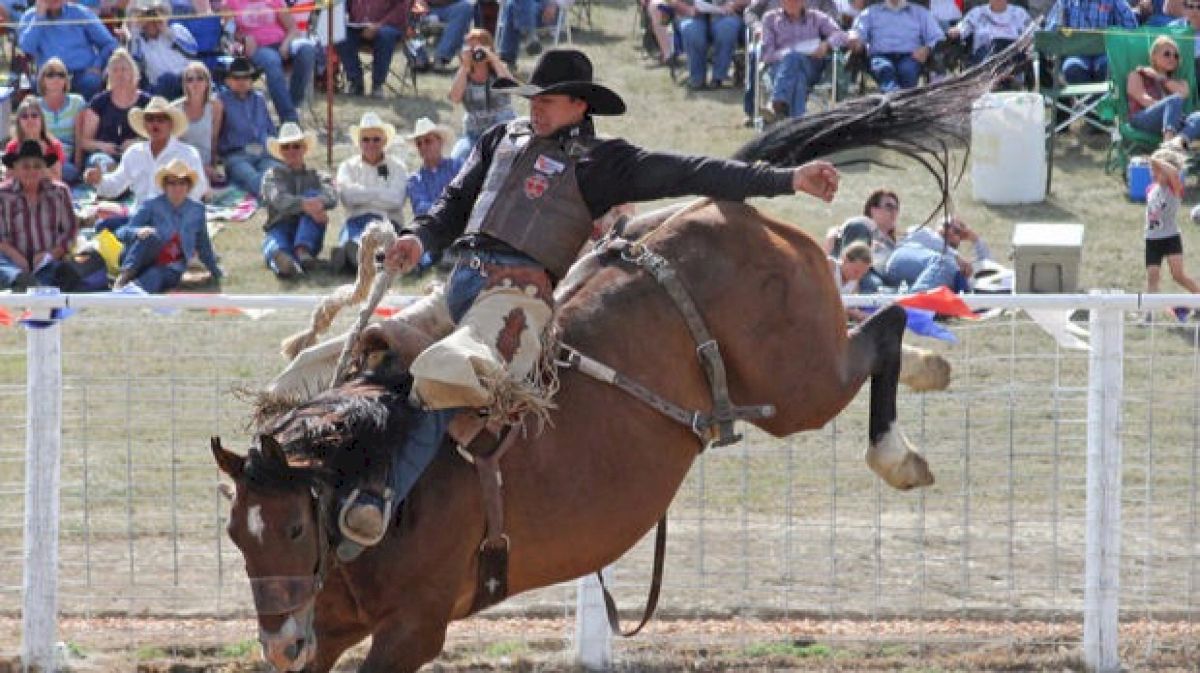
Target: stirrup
x=362 y=540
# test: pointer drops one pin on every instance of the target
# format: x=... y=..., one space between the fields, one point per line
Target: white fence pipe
x=593 y=638
x=43 y=439
x=1102 y=562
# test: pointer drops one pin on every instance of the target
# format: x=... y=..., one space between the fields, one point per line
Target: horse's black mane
x=335 y=437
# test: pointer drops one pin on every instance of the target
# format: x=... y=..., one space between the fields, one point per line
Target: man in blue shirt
x=74 y=34
x=245 y=127
x=899 y=37
x=1089 y=14
x=436 y=171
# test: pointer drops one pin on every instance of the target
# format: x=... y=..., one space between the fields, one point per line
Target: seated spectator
x=926 y=259
x=61 y=113
x=1156 y=98
x=268 y=32
x=520 y=22
x=658 y=15
x=795 y=43
x=945 y=12
x=31 y=125
x=161 y=125
x=371 y=187
x=298 y=199
x=436 y=171
x=206 y=27
x=37 y=221
x=383 y=24
x=73 y=34
x=455 y=17
x=245 y=127
x=1088 y=14
x=1153 y=13
x=165 y=232
x=479 y=67
x=204 y=112
x=848 y=270
x=898 y=37
x=719 y=29
x=877 y=227
x=105 y=133
x=162 y=50
x=990 y=27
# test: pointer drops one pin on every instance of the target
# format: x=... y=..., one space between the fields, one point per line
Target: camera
x=479 y=54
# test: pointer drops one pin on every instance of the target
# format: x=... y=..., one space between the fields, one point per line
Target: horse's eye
x=296 y=531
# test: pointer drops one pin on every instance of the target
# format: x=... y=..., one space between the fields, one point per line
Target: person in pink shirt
x=270 y=37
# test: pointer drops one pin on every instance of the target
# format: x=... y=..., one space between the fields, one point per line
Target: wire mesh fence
x=776 y=545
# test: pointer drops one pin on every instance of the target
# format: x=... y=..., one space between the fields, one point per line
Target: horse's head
x=276 y=521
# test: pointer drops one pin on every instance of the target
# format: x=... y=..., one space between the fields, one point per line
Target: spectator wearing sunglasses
x=71 y=32
x=205 y=114
x=371 y=187
x=877 y=228
x=31 y=125
x=1157 y=97
x=436 y=171
x=298 y=200
x=61 y=112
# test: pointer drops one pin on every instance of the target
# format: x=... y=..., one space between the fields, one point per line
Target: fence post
x=43 y=438
x=1102 y=565
x=593 y=639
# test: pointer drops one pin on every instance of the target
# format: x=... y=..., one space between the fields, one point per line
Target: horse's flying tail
x=923 y=124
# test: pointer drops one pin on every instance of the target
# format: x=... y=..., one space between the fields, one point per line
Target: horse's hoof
x=912 y=473
x=922 y=370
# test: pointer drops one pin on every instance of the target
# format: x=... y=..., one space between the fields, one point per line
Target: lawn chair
x=1127 y=50
x=1076 y=101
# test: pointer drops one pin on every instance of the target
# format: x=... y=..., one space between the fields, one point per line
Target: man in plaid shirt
x=37 y=220
x=1098 y=14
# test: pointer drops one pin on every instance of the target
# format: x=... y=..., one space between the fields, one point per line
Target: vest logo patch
x=536 y=185
x=548 y=166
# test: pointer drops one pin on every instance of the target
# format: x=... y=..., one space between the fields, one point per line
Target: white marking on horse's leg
x=922 y=369
x=895 y=461
x=254 y=522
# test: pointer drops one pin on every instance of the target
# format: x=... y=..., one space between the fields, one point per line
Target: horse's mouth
x=293 y=646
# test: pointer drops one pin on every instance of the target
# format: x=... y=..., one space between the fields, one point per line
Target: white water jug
x=1008 y=148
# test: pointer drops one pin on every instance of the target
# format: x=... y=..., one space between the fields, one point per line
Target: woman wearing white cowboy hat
x=371 y=186
x=165 y=232
x=161 y=125
x=298 y=201
x=436 y=170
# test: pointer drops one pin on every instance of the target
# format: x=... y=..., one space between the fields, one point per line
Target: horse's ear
x=229 y=462
x=271 y=449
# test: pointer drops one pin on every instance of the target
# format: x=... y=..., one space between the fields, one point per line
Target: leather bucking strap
x=724 y=412
x=610 y=606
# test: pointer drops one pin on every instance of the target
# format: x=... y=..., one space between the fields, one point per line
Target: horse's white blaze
x=895 y=461
x=254 y=522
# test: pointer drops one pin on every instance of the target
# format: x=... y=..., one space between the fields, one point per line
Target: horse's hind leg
x=890 y=455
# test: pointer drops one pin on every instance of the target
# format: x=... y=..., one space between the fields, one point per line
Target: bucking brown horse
x=582 y=492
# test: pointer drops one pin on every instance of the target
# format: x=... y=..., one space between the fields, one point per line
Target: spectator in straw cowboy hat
x=161 y=125
x=37 y=220
x=298 y=199
x=165 y=232
x=518 y=213
x=371 y=187
x=245 y=127
x=437 y=170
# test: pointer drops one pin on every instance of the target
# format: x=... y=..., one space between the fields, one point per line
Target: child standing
x=1163 y=238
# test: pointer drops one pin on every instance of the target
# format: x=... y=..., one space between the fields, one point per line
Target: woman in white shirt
x=371 y=187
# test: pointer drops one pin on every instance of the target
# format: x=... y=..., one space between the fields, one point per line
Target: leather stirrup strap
x=492 y=580
x=610 y=606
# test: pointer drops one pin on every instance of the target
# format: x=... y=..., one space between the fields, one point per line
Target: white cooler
x=1046 y=257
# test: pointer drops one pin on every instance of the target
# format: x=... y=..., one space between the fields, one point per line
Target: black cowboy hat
x=243 y=67
x=28 y=149
x=566 y=72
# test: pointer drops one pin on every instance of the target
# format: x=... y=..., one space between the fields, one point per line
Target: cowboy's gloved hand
x=403 y=255
x=818 y=178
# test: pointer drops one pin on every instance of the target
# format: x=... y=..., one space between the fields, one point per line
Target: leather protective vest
x=531 y=199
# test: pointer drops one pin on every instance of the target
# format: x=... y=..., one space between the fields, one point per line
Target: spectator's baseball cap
x=566 y=72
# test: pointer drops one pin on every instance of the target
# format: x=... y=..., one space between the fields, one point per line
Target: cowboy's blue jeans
x=792 y=78
x=287 y=94
x=698 y=33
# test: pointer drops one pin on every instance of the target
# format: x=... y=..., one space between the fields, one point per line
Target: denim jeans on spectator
x=296 y=232
x=383 y=47
x=141 y=256
x=8 y=271
x=792 y=78
x=169 y=85
x=895 y=71
x=1167 y=115
x=287 y=94
x=70 y=172
x=457 y=20
x=353 y=228
x=86 y=84
x=520 y=20
x=699 y=32
x=922 y=268
x=1083 y=69
x=246 y=170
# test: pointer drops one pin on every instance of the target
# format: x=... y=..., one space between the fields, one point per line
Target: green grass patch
x=789 y=650
x=506 y=648
x=240 y=650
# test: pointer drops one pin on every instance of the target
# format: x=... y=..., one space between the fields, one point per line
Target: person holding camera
x=479 y=68
x=371 y=186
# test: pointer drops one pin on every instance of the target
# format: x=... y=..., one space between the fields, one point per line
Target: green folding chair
x=1127 y=50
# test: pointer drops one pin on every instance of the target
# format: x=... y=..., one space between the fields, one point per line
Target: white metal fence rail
x=1026 y=520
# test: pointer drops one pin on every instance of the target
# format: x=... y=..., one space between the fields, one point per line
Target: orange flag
x=940 y=300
